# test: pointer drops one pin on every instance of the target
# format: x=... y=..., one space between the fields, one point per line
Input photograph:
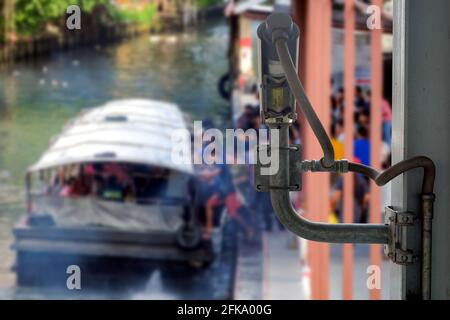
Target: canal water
x=37 y=98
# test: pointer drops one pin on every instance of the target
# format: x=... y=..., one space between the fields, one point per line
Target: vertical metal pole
x=398 y=273
x=317 y=35
x=421 y=77
x=375 y=136
x=349 y=85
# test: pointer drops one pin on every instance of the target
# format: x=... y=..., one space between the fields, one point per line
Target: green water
x=37 y=98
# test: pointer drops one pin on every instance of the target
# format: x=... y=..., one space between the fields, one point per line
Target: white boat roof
x=252 y=5
x=133 y=131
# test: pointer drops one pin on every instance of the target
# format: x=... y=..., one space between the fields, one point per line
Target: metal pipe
x=427 y=201
x=427 y=218
x=305 y=105
x=382 y=178
x=315 y=231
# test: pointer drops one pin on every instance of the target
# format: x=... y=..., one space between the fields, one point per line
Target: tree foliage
x=207 y=3
x=144 y=15
x=32 y=15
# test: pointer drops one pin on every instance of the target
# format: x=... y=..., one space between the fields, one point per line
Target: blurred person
x=233 y=201
x=241 y=179
x=363 y=118
x=256 y=119
x=263 y=206
x=82 y=183
x=240 y=213
x=58 y=181
x=337 y=139
x=246 y=120
x=337 y=105
x=67 y=189
x=97 y=183
x=117 y=170
x=361 y=198
x=360 y=101
x=386 y=113
x=216 y=191
x=207 y=193
x=367 y=95
x=159 y=181
x=362 y=146
x=77 y=184
x=112 y=189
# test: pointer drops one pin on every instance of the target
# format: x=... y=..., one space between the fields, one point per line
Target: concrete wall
x=422 y=127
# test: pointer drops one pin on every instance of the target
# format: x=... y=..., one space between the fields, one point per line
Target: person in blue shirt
x=362 y=146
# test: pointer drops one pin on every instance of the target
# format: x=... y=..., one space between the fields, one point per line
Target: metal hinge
x=402 y=257
x=398 y=222
x=339 y=166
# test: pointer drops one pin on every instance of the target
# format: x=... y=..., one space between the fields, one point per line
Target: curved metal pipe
x=427 y=200
x=315 y=231
x=323 y=232
x=305 y=105
x=382 y=178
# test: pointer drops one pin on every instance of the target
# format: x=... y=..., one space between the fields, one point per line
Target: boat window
x=105 y=155
x=113 y=181
x=116 y=118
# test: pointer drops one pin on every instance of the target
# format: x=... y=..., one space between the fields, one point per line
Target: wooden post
x=348 y=192
x=375 y=136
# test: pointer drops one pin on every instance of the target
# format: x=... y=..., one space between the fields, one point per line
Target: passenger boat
x=106 y=193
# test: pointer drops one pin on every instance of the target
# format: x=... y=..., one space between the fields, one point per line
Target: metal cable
x=382 y=178
x=300 y=95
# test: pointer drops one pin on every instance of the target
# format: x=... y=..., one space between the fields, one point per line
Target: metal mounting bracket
x=262 y=182
x=339 y=166
x=398 y=222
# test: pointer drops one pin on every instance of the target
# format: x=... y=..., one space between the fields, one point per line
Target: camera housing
x=277 y=100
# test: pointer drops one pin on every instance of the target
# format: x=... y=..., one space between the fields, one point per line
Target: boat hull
x=45 y=253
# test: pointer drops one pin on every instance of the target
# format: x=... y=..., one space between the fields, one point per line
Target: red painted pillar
x=315 y=71
x=376 y=138
x=348 y=194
